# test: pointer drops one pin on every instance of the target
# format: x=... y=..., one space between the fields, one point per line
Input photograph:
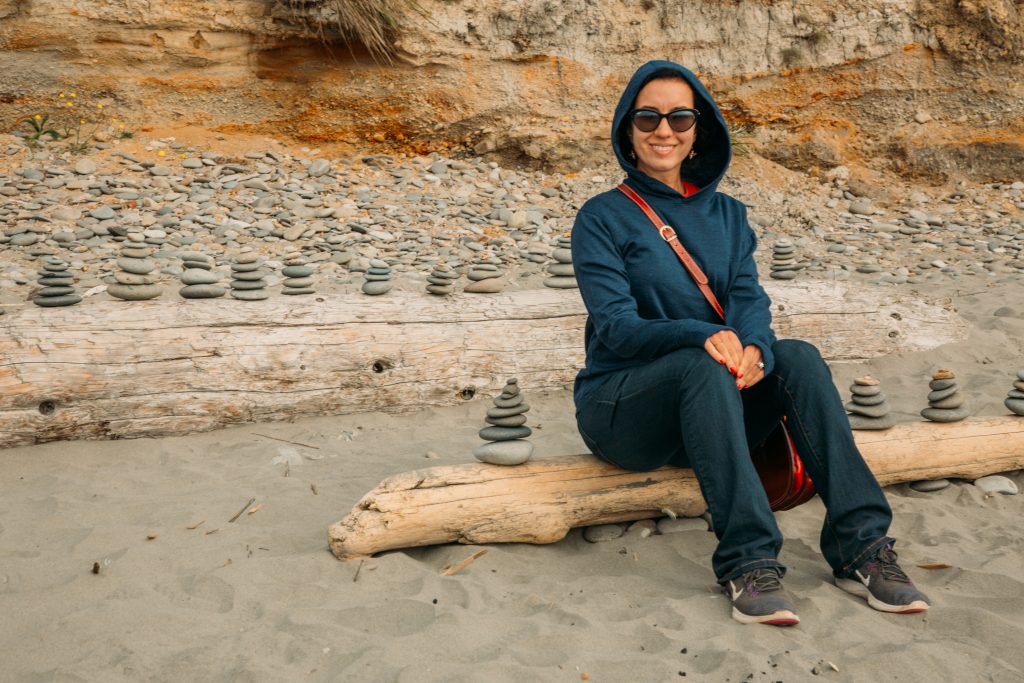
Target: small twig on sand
x=312 y=487
x=195 y=526
x=356 y=575
x=294 y=443
x=448 y=571
x=239 y=513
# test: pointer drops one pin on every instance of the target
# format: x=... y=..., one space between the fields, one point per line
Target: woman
x=667 y=381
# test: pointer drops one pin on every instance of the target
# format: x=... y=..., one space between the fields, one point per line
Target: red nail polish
x=732 y=370
x=721 y=362
x=739 y=376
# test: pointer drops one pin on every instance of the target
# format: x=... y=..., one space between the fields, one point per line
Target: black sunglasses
x=679 y=120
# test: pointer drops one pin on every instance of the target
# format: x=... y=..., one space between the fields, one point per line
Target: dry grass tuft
x=370 y=22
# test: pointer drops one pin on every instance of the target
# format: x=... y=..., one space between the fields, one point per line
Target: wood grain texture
x=541 y=500
x=116 y=369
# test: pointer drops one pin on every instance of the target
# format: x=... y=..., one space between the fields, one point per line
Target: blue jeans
x=684 y=409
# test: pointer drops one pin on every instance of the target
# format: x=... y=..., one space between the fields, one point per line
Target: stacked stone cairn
x=199 y=279
x=1015 y=399
x=133 y=281
x=945 y=404
x=247 y=283
x=441 y=280
x=298 y=275
x=868 y=406
x=57 y=283
x=784 y=265
x=508 y=431
x=562 y=274
x=378 y=278
x=485 y=275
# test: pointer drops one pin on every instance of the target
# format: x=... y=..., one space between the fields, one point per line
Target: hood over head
x=712 y=144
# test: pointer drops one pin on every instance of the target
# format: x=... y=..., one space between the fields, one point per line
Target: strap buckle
x=667 y=233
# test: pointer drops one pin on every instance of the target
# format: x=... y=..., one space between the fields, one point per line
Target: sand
x=262 y=599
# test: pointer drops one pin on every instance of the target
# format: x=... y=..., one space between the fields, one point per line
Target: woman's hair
x=704 y=120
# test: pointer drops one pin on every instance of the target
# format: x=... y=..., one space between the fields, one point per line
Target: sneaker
x=759 y=598
x=885 y=585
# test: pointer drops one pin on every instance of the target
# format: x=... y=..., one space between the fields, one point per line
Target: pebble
x=944 y=403
x=85 y=167
x=507 y=443
x=929 y=485
x=996 y=483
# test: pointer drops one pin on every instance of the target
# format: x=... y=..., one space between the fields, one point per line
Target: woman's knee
x=792 y=354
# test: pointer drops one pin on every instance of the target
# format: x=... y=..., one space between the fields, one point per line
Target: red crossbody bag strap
x=669 y=235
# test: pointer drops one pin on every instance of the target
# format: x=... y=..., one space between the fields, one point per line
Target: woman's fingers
x=750 y=374
x=725 y=347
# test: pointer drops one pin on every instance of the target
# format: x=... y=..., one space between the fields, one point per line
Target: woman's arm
x=748 y=309
x=604 y=285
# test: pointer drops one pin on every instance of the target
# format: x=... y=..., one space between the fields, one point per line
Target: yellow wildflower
x=81 y=120
x=72 y=94
x=161 y=153
x=120 y=125
x=61 y=96
x=38 y=117
x=71 y=104
x=99 y=106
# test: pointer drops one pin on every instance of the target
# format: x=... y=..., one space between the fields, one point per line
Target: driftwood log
x=117 y=369
x=540 y=501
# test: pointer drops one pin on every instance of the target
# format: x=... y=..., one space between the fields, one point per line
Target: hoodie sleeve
x=748 y=309
x=604 y=286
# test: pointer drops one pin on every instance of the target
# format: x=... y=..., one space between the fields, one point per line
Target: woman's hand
x=749 y=373
x=725 y=347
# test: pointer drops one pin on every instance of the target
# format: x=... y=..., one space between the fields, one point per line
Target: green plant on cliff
x=373 y=23
x=40 y=126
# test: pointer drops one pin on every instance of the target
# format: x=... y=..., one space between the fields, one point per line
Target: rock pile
x=1015 y=399
x=506 y=436
x=441 y=280
x=378 y=278
x=199 y=279
x=58 y=285
x=784 y=265
x=485 y=276
x=298 y=275
x=562 y=275
x=133 y=282
x=247 y=283
x=945 y=404
x=868 y=406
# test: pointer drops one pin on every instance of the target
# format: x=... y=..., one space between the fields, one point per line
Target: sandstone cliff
x=926 y=88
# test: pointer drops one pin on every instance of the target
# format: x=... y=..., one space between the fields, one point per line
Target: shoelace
x=887 y=566
x=764 y=580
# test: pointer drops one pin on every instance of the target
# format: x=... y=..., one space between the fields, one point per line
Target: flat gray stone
x=297 y=291
x=246 y=267
x=123 y=278
x=939 y=384
x=869 y=400
x=878 y=410
x=514 y=452
x=867 y=424
x=248 y=285
x=377 y=288
x=489 y=286
x=505 y=433
x=508 y=412
x=508 y=402
x=940 y=394
x=318 y=168
x=862 y=390
x=440 y=290
x=198 y=276
x=298 y=282
x=940 y=415
x=202 y=291
x=997 y=483
x=134 y=292
x=603 y=532
x=929 y=485
x=1015 y=405
x=948 y=403
x=511 y=421
x=250 y=276
x=55 y=291
x=137 y=266
x=560 y=282
x=250 y=294
x=54 y=301
x=562 y=269
x=85 y=167
x=298 y=271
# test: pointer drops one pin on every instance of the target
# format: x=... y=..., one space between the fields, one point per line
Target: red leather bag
x=777 y=462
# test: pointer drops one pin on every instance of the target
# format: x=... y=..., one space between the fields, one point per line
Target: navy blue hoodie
x=642 y=303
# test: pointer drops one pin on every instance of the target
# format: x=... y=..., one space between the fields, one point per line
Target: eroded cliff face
x=930 y=88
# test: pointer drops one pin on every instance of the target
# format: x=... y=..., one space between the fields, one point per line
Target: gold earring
x=692 y=154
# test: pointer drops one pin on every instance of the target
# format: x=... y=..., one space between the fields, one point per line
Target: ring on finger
x=760 y=365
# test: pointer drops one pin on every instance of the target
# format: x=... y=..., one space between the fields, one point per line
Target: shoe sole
x=781 y=618
x=859 y=589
